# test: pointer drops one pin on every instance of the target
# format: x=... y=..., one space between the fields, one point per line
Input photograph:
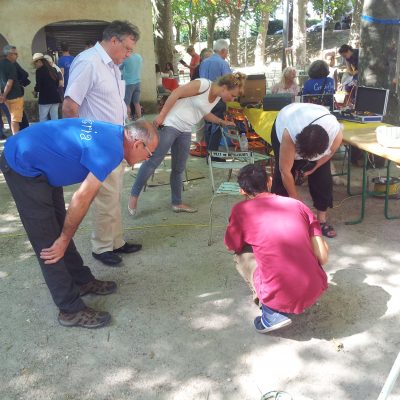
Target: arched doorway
x=75 y=33
x=3 y=42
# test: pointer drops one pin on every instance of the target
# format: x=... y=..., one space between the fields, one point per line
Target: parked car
x=280 y=32
x=316 y=27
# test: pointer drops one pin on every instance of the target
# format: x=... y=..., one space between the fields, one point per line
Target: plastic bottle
x=243 y=142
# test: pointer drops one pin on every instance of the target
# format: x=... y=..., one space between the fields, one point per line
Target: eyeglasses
x=147 y=149
x=128 y=49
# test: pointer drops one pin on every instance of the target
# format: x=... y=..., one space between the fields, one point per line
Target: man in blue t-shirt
x=213 y=68
x=36 y=164
x=64 y=62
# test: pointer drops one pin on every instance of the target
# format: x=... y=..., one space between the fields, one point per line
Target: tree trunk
x=299 y=32
x=211 y=21
x=178 y=33
x=164 y=43
x=379 y=50
x=259 y=52
x=193 y=33
x=233 y=36
x=355 y=27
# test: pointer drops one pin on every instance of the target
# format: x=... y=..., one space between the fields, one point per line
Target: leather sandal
x=328 y=230
x=86 y=318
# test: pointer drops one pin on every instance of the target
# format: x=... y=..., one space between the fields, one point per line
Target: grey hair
x=7 y=49
x=221 y=44
x=121 y=29
x=136 y=130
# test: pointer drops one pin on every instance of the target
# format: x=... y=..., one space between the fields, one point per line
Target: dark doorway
x=75 y=33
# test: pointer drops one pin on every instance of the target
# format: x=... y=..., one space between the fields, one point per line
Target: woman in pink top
x=278 y=248
x=288 y=82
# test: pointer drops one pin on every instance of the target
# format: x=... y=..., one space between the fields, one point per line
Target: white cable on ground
x=391 y=379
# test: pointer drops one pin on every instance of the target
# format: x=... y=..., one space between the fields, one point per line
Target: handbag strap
x=209 y=84
x=316 y=119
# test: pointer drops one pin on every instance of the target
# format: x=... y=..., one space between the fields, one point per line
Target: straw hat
x=48 y=58
x=37 y=56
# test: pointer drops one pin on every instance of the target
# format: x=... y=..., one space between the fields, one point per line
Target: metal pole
x=245 y=41
x=323 y=28
x=285 y=30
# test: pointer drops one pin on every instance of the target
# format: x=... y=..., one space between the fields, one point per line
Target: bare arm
x=335 y=145
x=287 y=153
x=70 y=109
x=351 y=69
x=188 y=90
x=7 y=89
x=77 y=210
x=320 y=248
x=218 y=121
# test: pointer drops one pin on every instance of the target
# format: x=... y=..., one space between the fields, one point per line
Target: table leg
x=387 y=216
x=363 y=192
x=349 y=174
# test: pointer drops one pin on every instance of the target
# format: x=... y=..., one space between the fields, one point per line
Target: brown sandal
x=86 y=318
x=95 y=286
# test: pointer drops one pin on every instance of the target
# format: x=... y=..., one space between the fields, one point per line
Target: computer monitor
x=275 y=102
x=371 y=100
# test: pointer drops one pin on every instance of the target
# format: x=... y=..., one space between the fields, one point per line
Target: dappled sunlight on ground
x=182 y=323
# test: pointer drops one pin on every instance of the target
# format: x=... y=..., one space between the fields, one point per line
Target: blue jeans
x=179 y=143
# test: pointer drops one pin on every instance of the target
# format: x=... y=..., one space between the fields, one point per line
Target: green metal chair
x=229 y=161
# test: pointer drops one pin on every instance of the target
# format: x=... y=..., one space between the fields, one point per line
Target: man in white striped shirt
x=96 y=91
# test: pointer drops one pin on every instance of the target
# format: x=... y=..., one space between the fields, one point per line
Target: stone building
x=41 y=25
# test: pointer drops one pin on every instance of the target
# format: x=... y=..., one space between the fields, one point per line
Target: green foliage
x=333 y=8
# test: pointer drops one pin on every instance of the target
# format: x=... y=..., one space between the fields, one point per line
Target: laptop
x=370 y=105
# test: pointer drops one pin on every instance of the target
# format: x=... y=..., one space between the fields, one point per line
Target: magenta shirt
x=288 y=277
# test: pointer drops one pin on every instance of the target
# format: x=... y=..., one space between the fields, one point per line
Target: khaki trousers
x=246 y=265
x=107 y=232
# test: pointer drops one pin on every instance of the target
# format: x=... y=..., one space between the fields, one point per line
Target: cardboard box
x=254 y=89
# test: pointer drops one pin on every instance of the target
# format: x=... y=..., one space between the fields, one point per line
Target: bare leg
x=14 y=127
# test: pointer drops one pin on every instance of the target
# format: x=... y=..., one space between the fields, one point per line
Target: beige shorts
x=16 y=108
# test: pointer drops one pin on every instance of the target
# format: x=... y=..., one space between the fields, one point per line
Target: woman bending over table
x=184 y=108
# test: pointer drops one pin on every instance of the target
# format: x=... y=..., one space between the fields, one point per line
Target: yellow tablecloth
x=260 y=120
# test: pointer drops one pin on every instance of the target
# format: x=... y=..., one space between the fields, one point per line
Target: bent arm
x=70 y=109
x=320 y=249
x=210 y=117
x=77 y=210
x=287 y=153
x=335 y=145
x=7 y=89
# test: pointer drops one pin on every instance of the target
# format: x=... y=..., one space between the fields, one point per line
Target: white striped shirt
x=95 y=84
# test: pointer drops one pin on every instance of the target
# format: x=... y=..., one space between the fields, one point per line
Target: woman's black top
x=47 y=86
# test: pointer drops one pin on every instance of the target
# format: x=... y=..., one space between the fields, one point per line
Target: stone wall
x=26 y=18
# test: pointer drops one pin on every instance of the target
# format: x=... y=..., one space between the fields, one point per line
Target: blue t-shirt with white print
x=66 y=150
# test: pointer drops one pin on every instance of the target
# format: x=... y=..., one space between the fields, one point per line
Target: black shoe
x=128 y=248
x=108 y=258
